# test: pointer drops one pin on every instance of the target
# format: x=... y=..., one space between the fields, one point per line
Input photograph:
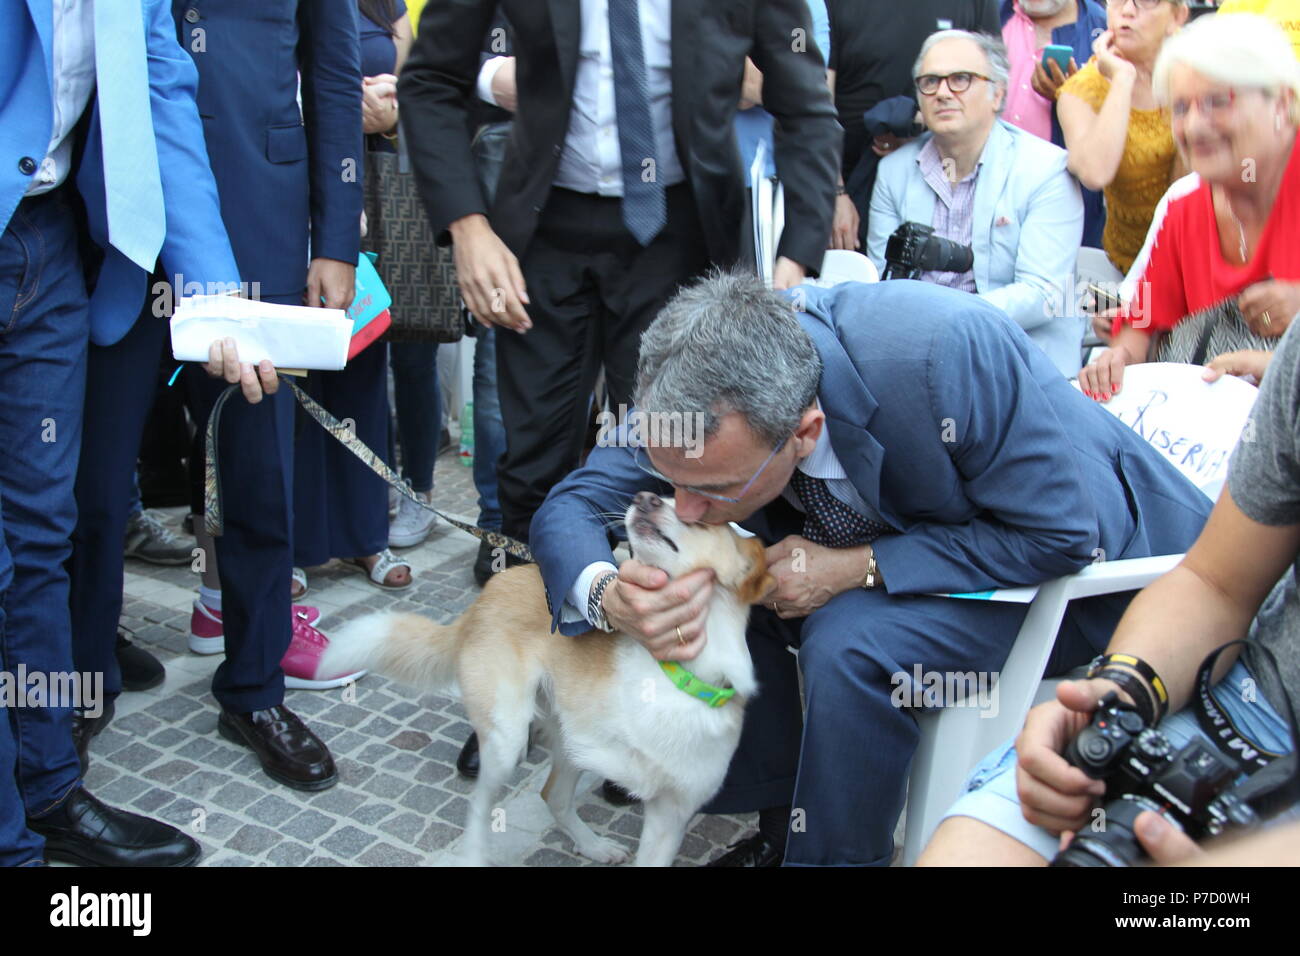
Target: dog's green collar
x=685 y=681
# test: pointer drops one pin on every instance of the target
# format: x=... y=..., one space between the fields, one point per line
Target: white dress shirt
x=822 y=463
x=74 y=81
x=592 y=161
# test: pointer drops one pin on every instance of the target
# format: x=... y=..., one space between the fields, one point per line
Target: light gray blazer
x=1028 y=222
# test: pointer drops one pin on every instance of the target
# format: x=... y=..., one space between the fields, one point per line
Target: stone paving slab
x=399 y=800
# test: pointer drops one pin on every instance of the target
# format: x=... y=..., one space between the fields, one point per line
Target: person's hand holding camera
x=1054 y=794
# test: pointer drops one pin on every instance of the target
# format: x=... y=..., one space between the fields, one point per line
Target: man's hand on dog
x=808 y=575
x=644 y=605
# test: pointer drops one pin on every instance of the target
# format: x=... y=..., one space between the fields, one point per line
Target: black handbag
x=1209 y=333
x=420 y=276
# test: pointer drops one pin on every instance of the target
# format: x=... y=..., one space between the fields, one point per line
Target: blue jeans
x=489 y=432
x=44 y=331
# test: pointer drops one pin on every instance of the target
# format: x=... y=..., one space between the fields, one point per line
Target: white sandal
x=378 y=575
x=299 y=576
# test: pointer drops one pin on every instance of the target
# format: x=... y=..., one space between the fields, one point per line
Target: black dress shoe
x=89 y=833
x=140 y=669
x=483 y=570
x=467 y=762
x=756 y=850
x=84 y=729
x=290 y=753
x=616 y=795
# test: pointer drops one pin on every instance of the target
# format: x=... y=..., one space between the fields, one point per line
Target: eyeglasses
x=1139 y=4
x=643 y=462
x=927 y=84
x=1212 y=106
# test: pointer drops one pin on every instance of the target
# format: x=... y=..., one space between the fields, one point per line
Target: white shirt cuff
x=486 y=74
x=576 y=607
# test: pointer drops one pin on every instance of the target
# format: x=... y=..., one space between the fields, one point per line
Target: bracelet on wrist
x=595 y=608
x=1138 y=678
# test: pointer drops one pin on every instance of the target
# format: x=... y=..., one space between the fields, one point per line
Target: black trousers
x=593 y=290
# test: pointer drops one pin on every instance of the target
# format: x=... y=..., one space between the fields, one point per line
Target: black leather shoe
x=483 y=564
x=616 y=795
x=89 y=833
x=84 y=729
x=467 y=762
x=290 y=753
x=756 y=850
x=140 y=669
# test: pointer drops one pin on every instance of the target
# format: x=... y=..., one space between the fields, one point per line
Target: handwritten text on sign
x=1190 y=454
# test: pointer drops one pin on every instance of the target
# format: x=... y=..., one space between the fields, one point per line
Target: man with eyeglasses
x=983 y=183
x=857 y=431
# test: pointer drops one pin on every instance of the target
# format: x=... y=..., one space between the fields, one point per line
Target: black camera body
x=914 y=249
x=1143 y=771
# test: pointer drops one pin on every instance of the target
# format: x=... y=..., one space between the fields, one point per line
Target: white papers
x=291 y=336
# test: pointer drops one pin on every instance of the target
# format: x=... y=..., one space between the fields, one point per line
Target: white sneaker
x=412 y=524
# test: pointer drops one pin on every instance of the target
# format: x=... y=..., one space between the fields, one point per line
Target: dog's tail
x=406 y=647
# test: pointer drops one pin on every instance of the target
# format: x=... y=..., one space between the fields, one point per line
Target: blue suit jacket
x=958 y=431
x=195 y=243
x=289 y=181
x=1027 y=223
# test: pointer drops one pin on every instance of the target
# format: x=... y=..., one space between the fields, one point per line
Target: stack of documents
x=291 y=336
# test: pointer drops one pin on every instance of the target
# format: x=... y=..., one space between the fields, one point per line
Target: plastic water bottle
x=467 y=435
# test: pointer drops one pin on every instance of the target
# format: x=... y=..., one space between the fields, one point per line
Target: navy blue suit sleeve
x=1038 y=519
x=330 y=61
x=196 y=244
x=568 y=532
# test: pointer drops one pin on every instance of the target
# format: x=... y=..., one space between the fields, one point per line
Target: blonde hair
x=1237 y=49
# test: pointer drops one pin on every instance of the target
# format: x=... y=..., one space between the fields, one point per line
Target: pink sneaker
x=301 y=661
x=207 y=636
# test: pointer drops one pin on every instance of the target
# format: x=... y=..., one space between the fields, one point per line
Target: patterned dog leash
x=212 y=515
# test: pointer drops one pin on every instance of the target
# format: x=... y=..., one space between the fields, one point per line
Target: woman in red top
x=1233 y=87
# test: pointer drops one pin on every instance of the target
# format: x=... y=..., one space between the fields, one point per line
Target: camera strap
x=1218 y=726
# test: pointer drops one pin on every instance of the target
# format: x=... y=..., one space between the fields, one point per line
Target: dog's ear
x=756 y=581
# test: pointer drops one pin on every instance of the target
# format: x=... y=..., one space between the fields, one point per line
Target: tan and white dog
x=605 y=704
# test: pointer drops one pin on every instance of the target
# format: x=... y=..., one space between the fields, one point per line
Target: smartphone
x=1061 y=54
x=1103 y=300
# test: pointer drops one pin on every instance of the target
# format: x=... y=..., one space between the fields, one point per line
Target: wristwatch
x=595 y=611
x=872 y=578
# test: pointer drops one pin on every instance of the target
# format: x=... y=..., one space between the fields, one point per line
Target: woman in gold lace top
x=1117 y=137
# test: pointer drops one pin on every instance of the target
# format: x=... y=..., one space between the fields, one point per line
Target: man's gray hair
x=994 y=49
x=724 y=344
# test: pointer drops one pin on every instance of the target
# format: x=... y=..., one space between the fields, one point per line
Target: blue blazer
x=289 y=189
x=195 y=243
x=959 y=432
x=1027 y=224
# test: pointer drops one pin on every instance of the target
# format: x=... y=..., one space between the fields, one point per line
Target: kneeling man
x=889 y=442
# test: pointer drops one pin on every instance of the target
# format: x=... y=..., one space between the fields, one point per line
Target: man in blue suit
x=890 y=442
x=290 y=184
x=143 y=190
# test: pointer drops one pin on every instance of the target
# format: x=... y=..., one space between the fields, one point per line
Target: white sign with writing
x=1194 y=424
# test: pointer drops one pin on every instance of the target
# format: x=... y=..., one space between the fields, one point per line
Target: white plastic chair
x=954 y=739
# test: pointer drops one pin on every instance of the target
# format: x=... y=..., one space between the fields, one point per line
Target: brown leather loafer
x=290 y=753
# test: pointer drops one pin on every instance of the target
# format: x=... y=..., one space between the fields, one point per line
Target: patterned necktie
x=644 y=206
x=829 y=521
x=132 y=184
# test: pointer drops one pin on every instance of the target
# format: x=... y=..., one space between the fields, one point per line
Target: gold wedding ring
x=1268 y=319
x=680 y=639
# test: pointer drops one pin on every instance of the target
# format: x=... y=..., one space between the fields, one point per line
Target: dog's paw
x=603 y=851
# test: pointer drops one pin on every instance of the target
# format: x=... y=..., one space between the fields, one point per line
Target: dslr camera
x=1143 y=771
x=914 y=249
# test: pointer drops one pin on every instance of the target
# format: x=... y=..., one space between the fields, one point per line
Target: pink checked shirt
x=1024 y=107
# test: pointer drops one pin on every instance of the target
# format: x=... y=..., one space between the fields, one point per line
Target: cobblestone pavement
x=399 y=800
